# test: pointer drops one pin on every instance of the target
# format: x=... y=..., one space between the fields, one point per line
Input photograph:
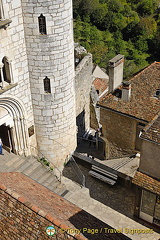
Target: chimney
x=115 y=72
x=126 y=91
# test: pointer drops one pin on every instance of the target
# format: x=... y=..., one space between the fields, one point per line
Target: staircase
x=29 y=166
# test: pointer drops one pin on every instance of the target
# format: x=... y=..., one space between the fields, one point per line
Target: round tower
x=50 y=52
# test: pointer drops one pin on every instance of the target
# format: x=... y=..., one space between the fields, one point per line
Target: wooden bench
x=103 y=175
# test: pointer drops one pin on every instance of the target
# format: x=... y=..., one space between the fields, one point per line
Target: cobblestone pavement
x=116 y=197
x=111 y=204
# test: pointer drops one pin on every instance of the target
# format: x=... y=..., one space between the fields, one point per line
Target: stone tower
x=50 y=53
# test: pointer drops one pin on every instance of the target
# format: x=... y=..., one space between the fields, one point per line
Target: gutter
x=146 y=139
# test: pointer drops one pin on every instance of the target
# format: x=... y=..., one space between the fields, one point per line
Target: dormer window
x=42 y=24
x=157 y=93
x=47 y=85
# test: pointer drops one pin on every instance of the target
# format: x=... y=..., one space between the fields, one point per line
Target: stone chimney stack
x=115 y=72
x=126 y=91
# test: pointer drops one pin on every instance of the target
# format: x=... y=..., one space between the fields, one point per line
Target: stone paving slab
x=81 y=197
x=116 y=220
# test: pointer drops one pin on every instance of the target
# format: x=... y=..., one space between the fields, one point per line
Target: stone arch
x=19 y=129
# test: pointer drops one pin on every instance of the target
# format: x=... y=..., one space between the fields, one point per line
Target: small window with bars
x=42 y=24
x=47 y=85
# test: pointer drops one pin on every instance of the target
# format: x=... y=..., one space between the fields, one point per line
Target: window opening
x=6 y=70
x=42 y=24
x=1 y=10
x=47 y=85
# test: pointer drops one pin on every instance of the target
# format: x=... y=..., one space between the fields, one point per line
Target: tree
x=98 y=16
x=146 y=7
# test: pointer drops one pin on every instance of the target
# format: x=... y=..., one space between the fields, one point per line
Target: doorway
x=6 y=136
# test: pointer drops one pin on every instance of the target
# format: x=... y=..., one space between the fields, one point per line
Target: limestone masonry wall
x=52 y=55
x=83 y=82
x=12 y=45
x=150 y=153
x=118 y=129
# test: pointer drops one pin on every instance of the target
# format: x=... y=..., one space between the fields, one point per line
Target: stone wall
x=150 y=160
x=33 y=57
x=83 y=82
x=12 y=42
x=52 y=55
x=118 y=129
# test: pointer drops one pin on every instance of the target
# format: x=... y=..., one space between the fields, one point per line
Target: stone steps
x=10 y=162
x=29 y=170
x=118 y=164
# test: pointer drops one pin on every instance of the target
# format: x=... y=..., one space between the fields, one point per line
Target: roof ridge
x=141 y=71
x=39 y=211
x=151 y=122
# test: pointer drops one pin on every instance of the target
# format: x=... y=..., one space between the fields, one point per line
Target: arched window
x=6 y=69
x=47 y=85
x=1 y=10
x=42 y=24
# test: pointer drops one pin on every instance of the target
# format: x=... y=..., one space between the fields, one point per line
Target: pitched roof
x=54 y=208
x=40 y=196
x=100 y=84
x=146 y=182
x=99 y=73
x=142 y=103
x=152 y=131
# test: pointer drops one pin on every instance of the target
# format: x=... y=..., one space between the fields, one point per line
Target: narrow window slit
x=47 y=85
x=42 y=24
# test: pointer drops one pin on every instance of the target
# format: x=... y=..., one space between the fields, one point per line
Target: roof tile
x=142 y=104
x=152 y=131
x=144 y=181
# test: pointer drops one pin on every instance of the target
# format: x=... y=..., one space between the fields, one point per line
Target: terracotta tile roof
x=142 y=104
x=54 y=208
x=100 y=84
x=152 y=131
x=40 y=196
x=144 y=181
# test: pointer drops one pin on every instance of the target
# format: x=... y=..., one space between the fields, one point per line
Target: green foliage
x=129 y=27
x=44 y=161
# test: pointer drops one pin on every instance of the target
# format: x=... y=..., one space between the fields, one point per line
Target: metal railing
x=77 y=170
x=74 y=166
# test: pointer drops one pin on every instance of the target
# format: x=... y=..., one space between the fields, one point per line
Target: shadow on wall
x=89 y=148
x=94 y=229
x=80 y=122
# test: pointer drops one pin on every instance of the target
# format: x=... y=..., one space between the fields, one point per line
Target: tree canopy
x=129 y=27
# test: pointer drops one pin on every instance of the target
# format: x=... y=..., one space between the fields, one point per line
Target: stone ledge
x=5 y=23
x=8 y=87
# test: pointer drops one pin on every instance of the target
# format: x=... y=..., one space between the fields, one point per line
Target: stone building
x=37 y=91
x=129 y=106
x=147 y=179
x=83 y=82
